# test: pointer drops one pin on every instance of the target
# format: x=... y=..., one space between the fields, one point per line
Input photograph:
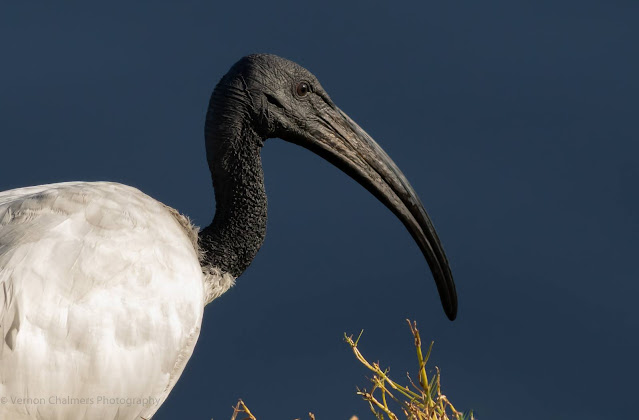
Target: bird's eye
x=302 y=88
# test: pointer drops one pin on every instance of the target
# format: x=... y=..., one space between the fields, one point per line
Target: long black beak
x=338 y=139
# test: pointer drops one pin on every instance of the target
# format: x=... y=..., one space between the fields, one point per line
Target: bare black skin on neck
x=251 y=103
x=233 y=145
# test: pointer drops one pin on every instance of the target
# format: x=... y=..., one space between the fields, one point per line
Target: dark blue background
x=516 y=122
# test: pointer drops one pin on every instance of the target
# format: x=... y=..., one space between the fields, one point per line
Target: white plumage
x=102 y=298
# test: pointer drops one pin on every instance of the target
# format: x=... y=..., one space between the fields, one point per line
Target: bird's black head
x=280 y=97
x=264 y=96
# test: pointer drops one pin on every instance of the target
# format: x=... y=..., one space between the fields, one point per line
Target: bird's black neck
x=233 y=148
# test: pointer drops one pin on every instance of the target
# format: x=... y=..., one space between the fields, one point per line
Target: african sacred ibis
x=103 y=287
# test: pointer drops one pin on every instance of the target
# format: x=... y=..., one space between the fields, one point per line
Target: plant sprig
x=422 y=401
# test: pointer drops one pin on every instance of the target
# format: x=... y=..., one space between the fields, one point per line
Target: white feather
x=101 y=299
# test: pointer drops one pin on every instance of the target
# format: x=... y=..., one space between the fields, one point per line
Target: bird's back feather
x=101 y=301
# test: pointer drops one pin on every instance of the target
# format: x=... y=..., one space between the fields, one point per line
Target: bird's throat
x=238 y=229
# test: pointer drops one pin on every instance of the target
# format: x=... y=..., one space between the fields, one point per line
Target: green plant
x=422 y=401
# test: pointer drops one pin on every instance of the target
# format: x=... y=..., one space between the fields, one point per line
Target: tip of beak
x=451 y=313
x=447 y=293
x=449 y=302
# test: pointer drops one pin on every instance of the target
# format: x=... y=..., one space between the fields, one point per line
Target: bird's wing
x=101 y=301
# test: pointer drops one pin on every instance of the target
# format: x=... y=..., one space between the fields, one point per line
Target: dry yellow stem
x=423 y=402
x=242 y=408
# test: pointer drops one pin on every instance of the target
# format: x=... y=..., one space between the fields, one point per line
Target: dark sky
x=516 y=122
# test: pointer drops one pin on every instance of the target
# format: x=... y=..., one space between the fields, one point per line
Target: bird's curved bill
x=338 y=139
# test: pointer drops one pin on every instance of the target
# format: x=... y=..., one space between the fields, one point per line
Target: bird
x=104 y=288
